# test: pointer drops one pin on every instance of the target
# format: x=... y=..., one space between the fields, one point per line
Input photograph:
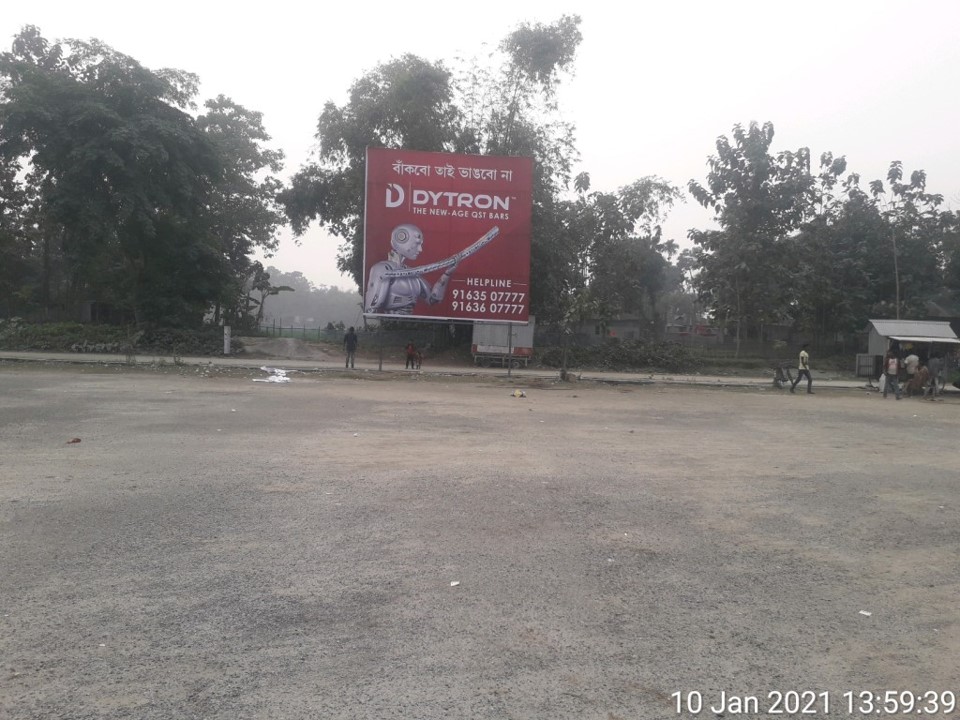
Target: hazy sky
x=655 y=83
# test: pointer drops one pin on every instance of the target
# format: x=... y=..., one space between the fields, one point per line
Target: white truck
x=503 y=344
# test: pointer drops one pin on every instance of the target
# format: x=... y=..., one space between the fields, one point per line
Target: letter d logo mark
x=394 y=195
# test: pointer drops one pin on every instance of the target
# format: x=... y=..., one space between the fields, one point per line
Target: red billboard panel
x=447 y=236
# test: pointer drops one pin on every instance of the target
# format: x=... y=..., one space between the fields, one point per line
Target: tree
x=842 y=256
x=951 y=257
x=621 y=252
x=758 y=201
x=243 y=213
x=418 y=105
x=259 y=281
x=406 y=103
x=122 y=174
x=19 y=273
x=917 y=229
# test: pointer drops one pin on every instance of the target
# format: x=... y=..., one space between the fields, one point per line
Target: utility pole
x=896 y=267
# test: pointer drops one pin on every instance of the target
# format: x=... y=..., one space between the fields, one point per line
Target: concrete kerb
x=369 y=369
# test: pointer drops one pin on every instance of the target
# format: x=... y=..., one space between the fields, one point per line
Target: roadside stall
x=926 y=338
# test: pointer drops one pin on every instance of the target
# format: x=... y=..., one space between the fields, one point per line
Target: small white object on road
x=454 y=583
x=277 y=375
x=865 y=613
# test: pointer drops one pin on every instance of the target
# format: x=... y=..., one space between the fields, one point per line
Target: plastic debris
x=454 y=583
x=865 y=613
x=72 y=441
x=518 y=394
x=277 y=375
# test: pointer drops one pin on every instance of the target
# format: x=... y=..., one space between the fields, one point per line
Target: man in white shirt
x=803 y=368
x=911 y=362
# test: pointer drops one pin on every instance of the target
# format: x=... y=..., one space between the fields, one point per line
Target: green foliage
x=758 y=200
x=817 y=251
x=242 y=211
x=415 y=104
x=860 y=252
x=406 y=103
x=82 y=337
x=538 y=52
x=120 y=172
x=60 y=337
x=619 y=355
x=620 y=253
x=117 y=195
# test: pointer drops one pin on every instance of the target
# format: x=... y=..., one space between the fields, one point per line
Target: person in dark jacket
x=350 y=342
x=411 y=351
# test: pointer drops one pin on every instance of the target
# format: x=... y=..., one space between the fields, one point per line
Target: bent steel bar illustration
x=452 y=260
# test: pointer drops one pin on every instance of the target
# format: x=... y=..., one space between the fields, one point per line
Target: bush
x=619 y=355
x=79 y=337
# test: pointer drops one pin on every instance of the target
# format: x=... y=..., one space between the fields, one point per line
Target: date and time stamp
x=812 y=703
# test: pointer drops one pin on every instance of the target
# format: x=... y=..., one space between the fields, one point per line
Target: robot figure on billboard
x=394 y=288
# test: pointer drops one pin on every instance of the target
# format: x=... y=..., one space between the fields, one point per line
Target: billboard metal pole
x=380 y=335
x=510 y=350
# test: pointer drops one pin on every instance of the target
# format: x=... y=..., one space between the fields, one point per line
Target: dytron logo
x=431 y=198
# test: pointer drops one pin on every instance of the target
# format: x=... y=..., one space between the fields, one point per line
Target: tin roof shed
x=914 y=331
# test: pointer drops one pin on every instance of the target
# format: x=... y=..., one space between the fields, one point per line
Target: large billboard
x=447 y=236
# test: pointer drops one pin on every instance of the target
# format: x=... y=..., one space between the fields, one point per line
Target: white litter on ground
x=277 y=375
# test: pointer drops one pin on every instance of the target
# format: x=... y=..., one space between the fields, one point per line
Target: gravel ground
x=222 y=549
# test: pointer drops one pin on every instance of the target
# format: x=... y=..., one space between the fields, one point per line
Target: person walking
x=935 y=366
x=891 y=372
x=803 y=369
x=350 y=343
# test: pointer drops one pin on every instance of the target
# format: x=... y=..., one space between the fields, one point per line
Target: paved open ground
x=218 y=548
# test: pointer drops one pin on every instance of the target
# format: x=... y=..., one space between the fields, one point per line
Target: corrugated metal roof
x=934 y=329
x=924 y=339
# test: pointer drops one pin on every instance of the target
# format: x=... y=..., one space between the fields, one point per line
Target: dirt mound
x=282 y=348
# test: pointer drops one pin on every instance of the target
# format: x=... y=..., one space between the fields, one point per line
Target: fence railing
x=302 y=332
x=428 y=336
